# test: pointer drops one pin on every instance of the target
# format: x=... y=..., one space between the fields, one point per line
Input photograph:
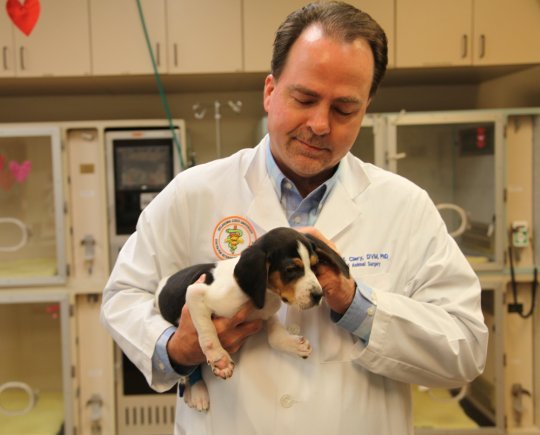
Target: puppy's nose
x=316 y=298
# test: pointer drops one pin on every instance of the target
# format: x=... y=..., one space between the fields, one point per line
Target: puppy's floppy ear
x=328 y=256
x=251 y=274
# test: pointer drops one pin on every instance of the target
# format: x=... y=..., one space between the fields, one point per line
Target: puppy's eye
x=292 y=268
x=292 y=271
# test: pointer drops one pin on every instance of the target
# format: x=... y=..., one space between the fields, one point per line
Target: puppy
x=279 y=266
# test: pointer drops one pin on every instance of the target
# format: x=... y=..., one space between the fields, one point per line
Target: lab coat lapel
x=341 y=208
x=265 y=210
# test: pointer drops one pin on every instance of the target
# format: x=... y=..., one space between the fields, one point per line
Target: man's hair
x=338 y=20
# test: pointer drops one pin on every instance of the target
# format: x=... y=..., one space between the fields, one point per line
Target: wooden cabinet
x=59 y=44
x=204 y=36
x=262 y=18
x=8 y=47
x=467 y=32
x=184 y=37
x=506 y=32
x=118 y=41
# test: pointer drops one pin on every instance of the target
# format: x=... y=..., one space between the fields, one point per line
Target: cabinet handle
x=464 y=44
x=21 y=57
x=4 y=57
x=158 y=57
x=175 y=48
x=482 y=46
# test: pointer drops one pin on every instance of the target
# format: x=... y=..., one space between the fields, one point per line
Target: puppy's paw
x=196 y=396
x=222 y=365
x=292 y=344
x=303 y=347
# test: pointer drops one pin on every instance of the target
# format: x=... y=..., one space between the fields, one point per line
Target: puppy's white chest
x=224 y=297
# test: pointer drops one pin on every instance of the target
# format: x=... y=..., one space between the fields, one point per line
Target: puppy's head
x=282 y=261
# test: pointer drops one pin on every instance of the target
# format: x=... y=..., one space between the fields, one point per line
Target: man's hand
x=183 y=346
x=338 y=290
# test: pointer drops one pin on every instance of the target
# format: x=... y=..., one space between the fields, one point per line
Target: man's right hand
x=183 y=346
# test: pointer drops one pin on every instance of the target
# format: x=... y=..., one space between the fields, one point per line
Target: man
x=411 y=312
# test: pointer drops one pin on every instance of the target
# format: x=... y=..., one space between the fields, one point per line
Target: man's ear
x=269 y=86
x=251 y=274
x=328 y=256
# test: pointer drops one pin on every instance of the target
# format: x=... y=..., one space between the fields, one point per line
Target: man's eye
x=343 y=112
x=303 y=102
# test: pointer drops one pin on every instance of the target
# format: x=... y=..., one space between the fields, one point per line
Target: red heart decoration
x=24 y=16
x=6 y=181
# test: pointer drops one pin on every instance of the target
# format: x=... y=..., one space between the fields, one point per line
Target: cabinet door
x=506 y=32
x=433 y=33
x=262 y=18
x=118 y=42
x=32 y=230
x=7 y=68
x=59 y=45
x=204 y=36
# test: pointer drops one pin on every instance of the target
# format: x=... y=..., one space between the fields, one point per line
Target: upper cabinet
x=118 y=39
x=506 y=32
x=59 y=44
x=467 y=32
x=183 y=36
x=262 y=18
x=204 y=36
x=8 y=47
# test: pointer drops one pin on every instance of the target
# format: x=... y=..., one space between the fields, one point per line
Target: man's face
x=316 y=107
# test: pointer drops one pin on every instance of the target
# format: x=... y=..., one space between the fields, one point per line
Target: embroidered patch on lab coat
x=231 y=236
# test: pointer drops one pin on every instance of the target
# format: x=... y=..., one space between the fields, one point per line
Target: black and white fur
x=279 y=266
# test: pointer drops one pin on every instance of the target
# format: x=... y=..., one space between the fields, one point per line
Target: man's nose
x=319 y=121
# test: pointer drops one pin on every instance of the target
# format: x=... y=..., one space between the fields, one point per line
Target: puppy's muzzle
x=316 y=297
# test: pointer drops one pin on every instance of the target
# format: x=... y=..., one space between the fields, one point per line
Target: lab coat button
x=286 y=401
x=294 y=329
x=371 y=311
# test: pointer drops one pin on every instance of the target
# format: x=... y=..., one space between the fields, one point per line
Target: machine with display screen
x=140 y=163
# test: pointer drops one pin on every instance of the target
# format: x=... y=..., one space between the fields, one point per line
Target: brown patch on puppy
x=285 y=291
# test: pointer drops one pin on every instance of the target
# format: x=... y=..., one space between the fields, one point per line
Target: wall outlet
x=520 y=234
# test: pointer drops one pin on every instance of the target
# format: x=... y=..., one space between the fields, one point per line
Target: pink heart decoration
x=24 y=16
x=20 y=172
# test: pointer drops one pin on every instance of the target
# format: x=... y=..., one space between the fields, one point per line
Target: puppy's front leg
x=280 y=339
x=217 y=357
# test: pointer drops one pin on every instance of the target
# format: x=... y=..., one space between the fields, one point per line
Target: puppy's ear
x=328 y=256
x=251 y=274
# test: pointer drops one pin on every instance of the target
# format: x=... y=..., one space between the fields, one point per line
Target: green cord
x=160 y=88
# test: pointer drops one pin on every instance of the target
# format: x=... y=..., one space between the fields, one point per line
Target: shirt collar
x=278 y=178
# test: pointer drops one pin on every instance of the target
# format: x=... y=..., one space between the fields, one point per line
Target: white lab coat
x=428 y=327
